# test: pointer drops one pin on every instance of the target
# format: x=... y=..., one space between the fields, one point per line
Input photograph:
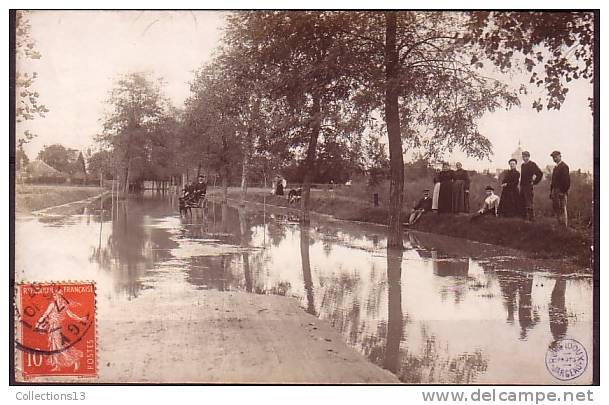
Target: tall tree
x=100 y=163
x=79 y=168
x=255 y=113
x=137 y=106
x=210 y=124
x=300 y=57
x=27 y=98
x=418 y=76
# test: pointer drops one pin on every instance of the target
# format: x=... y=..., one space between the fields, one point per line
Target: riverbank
x=31 y=198
x=542 y=239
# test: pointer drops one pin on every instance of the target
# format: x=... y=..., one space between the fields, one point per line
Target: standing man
x=530 y=175
x=561 y=181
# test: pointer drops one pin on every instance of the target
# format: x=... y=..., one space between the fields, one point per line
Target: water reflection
x=395 y=321
x=557 y=309
x=306 y=267
x=518 y=285
x=429 y=314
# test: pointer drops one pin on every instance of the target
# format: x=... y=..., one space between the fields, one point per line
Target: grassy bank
x=541 y=239
x=30 y=197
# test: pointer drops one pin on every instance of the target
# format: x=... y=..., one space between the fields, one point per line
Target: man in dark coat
x=201 y=187
x=559 y=188
x=424 y=205
x=530 y=175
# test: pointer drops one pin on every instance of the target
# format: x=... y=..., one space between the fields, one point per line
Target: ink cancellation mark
x=566 y=359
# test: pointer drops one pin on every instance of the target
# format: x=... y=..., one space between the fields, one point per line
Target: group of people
x=451 y=191
x=193 y=193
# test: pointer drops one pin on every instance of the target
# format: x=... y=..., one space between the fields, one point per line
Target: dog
x=294 y=195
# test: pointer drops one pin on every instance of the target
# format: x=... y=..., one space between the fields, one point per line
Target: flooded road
x=441 y=311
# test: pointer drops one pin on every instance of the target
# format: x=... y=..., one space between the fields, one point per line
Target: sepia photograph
x=310 y=197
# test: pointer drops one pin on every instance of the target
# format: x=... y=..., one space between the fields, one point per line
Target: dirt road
x=227 y=337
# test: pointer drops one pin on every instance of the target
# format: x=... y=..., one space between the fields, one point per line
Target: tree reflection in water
x=306 y=267
x=395 y=321
x=126 y=249
x=245 y=239
x=358 y=289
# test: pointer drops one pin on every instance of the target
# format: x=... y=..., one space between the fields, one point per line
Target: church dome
x=517 y=154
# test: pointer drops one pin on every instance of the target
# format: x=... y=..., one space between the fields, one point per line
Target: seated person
x=188 y=193
x=294 y=195
x=200 y=188
x=491 y=204
x=188 y=189
x=422 y=206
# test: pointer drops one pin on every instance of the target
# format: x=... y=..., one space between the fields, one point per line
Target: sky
x=83 y=52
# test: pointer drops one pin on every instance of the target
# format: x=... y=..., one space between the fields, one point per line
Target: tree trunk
x=245 y=168
x=225 y=186
x=309 y=163
x=126 y=185
x=225 y=169
x=392 y=117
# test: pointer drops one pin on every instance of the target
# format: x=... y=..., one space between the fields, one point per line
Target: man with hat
x=559 y=188
x=201 y=186
x=530 y=175
x=491 y=204
x=420 y=208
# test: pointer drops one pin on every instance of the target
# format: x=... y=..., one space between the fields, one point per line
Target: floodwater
x=442 y=311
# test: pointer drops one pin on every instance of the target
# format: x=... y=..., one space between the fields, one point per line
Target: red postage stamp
x=56 y=330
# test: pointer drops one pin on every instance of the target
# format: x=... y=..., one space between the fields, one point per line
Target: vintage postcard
x=305 y=197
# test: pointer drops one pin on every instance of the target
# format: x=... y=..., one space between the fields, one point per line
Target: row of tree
x=66 y=160
x=311 y=86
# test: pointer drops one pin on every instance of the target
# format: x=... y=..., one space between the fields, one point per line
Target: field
x=29 y=197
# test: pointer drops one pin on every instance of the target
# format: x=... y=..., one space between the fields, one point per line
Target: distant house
x=39 y=170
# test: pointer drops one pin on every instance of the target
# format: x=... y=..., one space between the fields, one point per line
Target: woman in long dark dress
x=509 y=203
x=445 y=197
x=460 y=190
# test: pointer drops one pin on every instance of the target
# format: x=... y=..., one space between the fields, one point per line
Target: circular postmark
x=566 y=359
